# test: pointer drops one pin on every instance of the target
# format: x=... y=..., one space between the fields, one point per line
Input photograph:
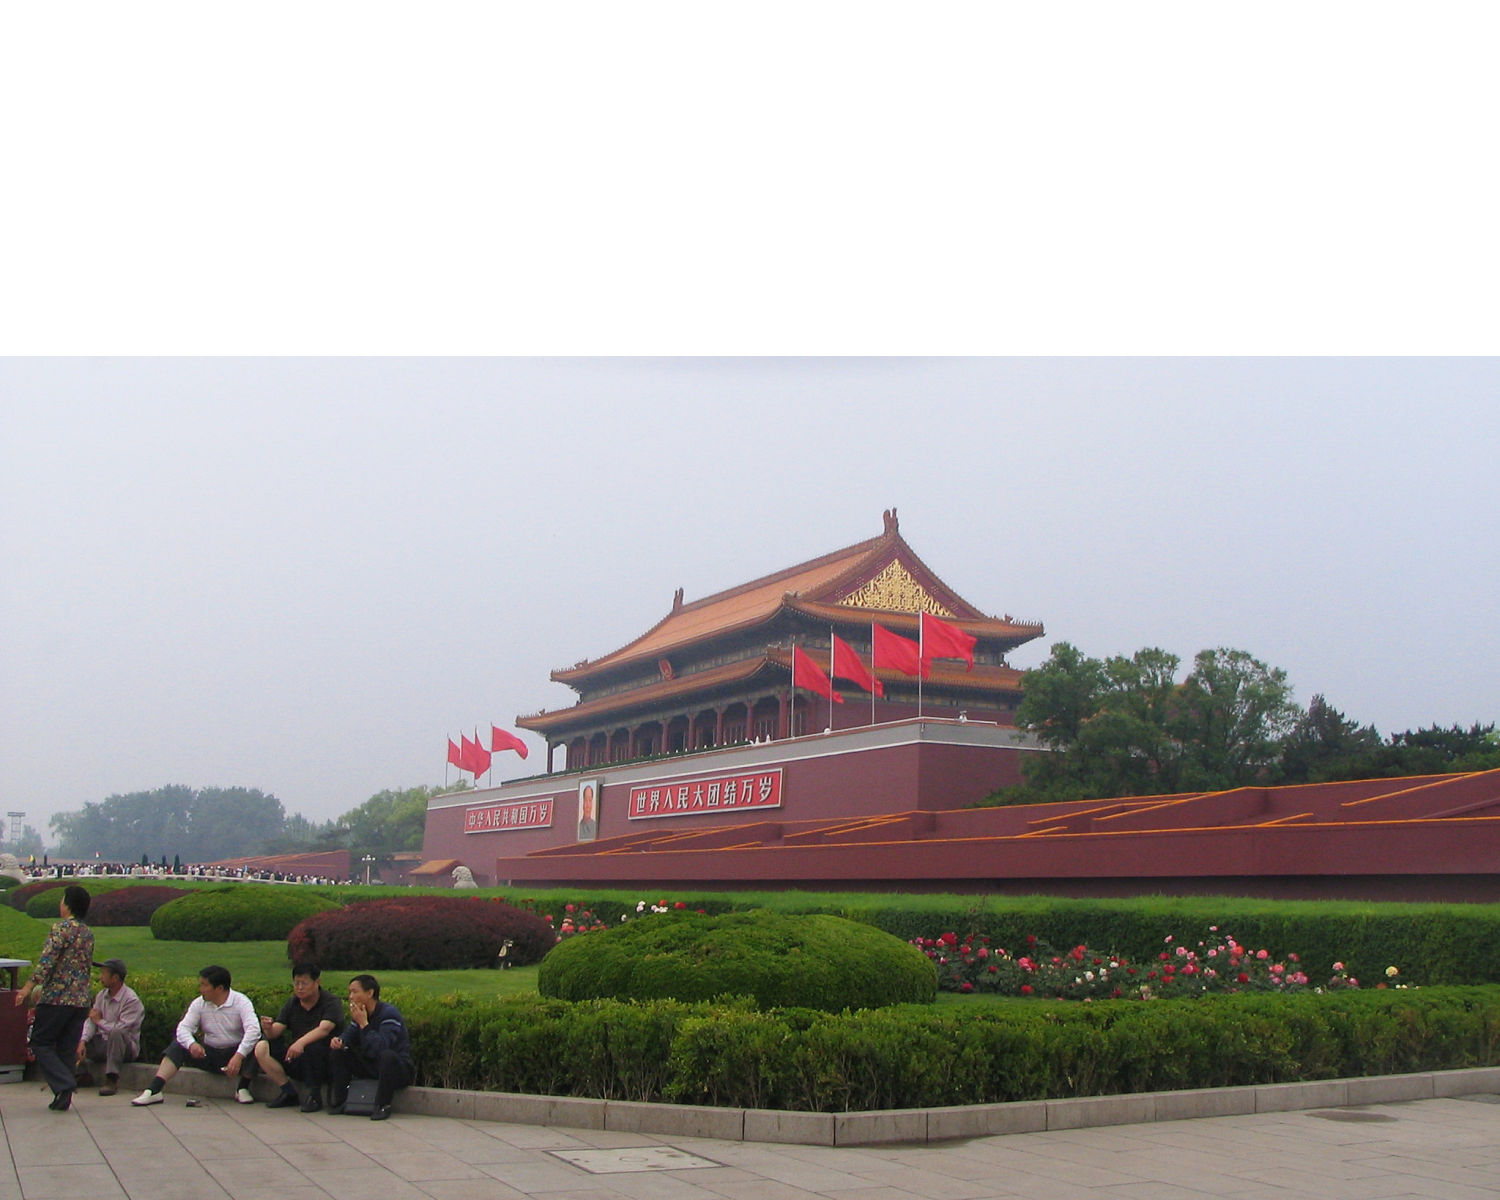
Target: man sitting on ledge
x=295 y=1043
x=225 y=1022
x=374 y=1045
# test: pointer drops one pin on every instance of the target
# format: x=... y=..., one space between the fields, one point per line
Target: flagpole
x=921 y=659
x=791 y=719
x=830 y=677
x=872 y=672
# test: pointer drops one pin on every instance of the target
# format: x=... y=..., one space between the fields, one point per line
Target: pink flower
x=983 y=952
x=966 y=986
x=1261 y=954
x=1338 y=966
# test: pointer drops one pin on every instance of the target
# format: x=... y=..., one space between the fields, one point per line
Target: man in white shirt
x=217 y=1033
x=112 y=1033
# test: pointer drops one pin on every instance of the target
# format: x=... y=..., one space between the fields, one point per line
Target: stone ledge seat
x=876 y=1128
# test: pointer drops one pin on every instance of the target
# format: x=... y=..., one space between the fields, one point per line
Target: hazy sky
x=304 y=575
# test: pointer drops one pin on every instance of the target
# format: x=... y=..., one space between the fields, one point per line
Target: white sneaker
x=243 y=1096
x=148 y=1097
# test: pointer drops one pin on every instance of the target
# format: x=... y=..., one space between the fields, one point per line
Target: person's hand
x=294 y=1051
x=82 y=1053
x=20 y=997
x=196 y=1050
x=95 y=1015
x=335 y=1043
x=359 y=1015
x=265 y=1025
x=236 y=1061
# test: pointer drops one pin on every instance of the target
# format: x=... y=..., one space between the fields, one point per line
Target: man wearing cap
x=112 y=1033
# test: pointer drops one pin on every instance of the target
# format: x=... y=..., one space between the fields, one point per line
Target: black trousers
x=389 y=1070
x=55 y=1033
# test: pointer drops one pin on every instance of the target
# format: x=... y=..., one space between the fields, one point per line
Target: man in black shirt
x=374 y=1045
x=295 y=1045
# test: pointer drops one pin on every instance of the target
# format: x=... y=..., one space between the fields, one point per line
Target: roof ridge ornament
x=677 y=601
x=891 y=524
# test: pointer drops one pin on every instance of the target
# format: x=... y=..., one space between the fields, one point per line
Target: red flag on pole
x=942 y=640
x=846 y=665
x=805 y=674
x=898 y=653
x=466 y=754
x=481 y=757
x=501 y=740
x=455 y=756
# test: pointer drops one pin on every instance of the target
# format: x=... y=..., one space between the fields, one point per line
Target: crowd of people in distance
x=88 y=870
x=309 y=1042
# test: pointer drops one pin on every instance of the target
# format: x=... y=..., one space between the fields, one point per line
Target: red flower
x=966 y=986
x=1026 y=989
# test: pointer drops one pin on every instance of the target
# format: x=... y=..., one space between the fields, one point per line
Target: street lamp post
x=367 y=860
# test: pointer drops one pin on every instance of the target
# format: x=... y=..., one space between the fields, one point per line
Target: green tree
x=200 y=826
x=1323 y=743
x=1432 y=750
x=1233 y=715
x=1126 y=727
x=387 y=823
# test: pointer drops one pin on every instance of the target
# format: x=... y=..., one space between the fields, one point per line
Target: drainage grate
x=1350 y=1114
x=633 y=1158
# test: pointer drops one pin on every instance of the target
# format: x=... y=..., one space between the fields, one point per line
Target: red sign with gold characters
x=713 y=793
x=519 y=814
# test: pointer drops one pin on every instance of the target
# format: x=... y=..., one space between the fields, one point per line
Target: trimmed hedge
x=421 y=933
x=1430 y=943
x=779 y=959
x=240 y=912
x=910 y=1056
x=132 y=905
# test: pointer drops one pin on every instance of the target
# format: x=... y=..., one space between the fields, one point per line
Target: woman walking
x=61 y=986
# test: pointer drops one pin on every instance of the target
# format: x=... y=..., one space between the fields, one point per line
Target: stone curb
x=895 y=1125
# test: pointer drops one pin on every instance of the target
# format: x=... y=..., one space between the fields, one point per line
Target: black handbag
x=361 y=1099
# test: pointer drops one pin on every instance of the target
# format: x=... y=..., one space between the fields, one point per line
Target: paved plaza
x=104 y=1149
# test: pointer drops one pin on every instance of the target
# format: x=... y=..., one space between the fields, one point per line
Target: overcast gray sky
x=304 y=575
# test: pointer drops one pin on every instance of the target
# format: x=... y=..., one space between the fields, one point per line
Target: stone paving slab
x=1443 y=1146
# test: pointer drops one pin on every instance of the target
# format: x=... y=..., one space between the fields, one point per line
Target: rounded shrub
x=43 y=903
x=132 y=905
x=421 y=933
x=19 y=897
x=779 y=959
x=240 y=912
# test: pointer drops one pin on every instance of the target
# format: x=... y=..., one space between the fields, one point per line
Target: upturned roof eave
x=859 y=554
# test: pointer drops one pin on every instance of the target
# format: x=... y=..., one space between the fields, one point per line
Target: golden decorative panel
x=895 y=589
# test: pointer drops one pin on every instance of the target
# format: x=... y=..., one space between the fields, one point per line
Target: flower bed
x=1217 y=963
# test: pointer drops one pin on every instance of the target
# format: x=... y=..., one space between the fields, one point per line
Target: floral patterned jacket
x=62 y=975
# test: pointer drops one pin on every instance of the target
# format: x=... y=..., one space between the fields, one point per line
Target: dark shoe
x=313 y=1103
x=382 y=1113
x=336 y=1110
x=61 y=1101
x=284 y=1098
x=85 y=1079
x=110 y=1088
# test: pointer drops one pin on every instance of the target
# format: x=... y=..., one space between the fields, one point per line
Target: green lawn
x=265 y=964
